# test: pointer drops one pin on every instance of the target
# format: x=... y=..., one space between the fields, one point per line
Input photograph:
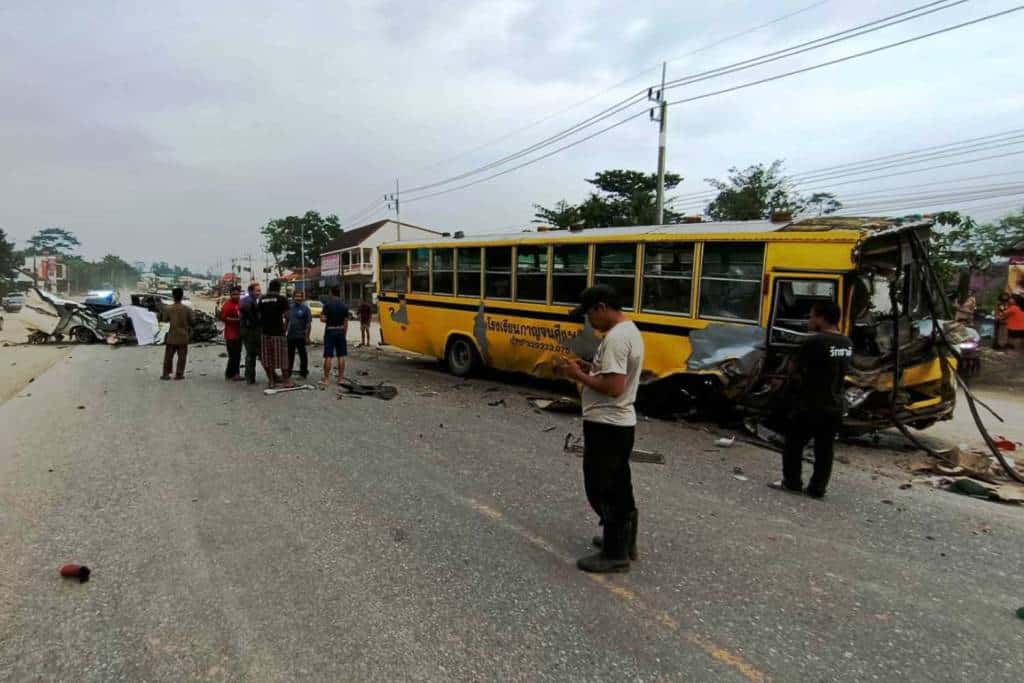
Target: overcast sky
x=174 y=130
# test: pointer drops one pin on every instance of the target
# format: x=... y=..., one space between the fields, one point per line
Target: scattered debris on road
x=75 y=571
x=1002 y=493
x=300 y=387
x=725 y=441
x=495 y=404
x=574 y=444
x=385 y=392
x=562 y=404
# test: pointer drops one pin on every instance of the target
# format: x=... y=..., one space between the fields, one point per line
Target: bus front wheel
x=461 y=357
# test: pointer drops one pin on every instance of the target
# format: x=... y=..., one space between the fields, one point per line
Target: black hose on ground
x=997 y=453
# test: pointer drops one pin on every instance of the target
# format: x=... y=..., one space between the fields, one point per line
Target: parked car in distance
x=13 y=302
x=315 y=307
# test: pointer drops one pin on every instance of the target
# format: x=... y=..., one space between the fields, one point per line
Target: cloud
x=149 y=129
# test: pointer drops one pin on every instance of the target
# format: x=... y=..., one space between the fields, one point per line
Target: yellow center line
x=630 y=597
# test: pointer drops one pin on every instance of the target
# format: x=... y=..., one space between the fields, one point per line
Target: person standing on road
x=250 y=328
x=335 y=319
x=966 y=309
x=610 y=384
x=176 y=343
x=300 y=325
x=230 y=313
x=273 y=312
x=1015 y=322
x=365 y=318
x=816 y=390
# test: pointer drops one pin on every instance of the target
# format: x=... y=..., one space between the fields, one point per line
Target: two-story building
x=350 y=260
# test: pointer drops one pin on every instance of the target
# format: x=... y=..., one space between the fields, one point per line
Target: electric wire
x=716 y=93
x=623 y=82
x=629 y=102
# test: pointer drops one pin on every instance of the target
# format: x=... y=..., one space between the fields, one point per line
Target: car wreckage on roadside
x=48 y=317
x=722 y=307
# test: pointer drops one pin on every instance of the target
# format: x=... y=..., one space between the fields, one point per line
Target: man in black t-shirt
x=334 y=316
x=817 y=375
x=273 y=309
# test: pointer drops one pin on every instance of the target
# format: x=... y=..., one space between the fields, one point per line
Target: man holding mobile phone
x=610 y=384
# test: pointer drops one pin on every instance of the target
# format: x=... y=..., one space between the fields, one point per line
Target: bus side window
x=469 y=271
x=730 y=281
x=393 y=266
x=668 y=277
x=532 y=273
x=444 y=271
x=615 y=265
x=569 y=273
x=420 y=271
x=498 y=272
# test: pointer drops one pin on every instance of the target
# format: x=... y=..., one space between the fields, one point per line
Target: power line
x=937 y=204
x=627 y=103
x=850 y=166
x=818 y=43
x=369 y=207
x=625 y=81
x=720 y=92
x=914 y=152
x=847 y=58
x=820 y=186
x=699 y=204
x=946 y=183
x=925 y=158
x=363 y=215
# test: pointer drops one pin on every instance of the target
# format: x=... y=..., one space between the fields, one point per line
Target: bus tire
x=461 y=356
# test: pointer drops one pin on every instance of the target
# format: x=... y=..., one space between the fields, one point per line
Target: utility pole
x=394 y=202
x=661 y=118
x=302 y=255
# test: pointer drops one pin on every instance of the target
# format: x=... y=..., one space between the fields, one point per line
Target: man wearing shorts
x=273 y=312
x=335 y=319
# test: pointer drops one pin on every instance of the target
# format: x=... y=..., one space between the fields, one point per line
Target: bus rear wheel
x=461 y=357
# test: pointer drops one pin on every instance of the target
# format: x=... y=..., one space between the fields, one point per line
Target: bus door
x=793 y=296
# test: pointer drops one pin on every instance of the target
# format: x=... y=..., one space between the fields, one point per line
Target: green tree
x=53 y=241
x=623 y=197
x=284 y=236
x=758 y=191
x=561 y=215
x=961 y=247
x=109 y=272
x=8 y=261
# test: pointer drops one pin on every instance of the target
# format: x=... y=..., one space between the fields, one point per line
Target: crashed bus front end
x=903 y=369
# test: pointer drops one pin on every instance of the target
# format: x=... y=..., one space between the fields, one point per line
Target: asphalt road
x=235 y=536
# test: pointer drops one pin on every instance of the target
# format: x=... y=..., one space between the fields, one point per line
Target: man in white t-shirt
x=609 y=384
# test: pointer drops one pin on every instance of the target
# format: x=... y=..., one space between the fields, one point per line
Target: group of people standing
x=275 y=330
x=1010 y=322
x=271 y=328
x=1009 y=315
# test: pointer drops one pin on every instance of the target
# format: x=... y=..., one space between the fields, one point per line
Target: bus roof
x=854 y=227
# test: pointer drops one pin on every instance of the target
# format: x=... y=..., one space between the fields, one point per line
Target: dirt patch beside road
x=21 y=364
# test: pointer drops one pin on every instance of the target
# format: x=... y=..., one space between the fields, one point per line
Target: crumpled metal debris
x=385 y=392
x=562 y=404
x=574 y=444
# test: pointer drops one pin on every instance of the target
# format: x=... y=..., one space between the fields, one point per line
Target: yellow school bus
x=721 y=307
